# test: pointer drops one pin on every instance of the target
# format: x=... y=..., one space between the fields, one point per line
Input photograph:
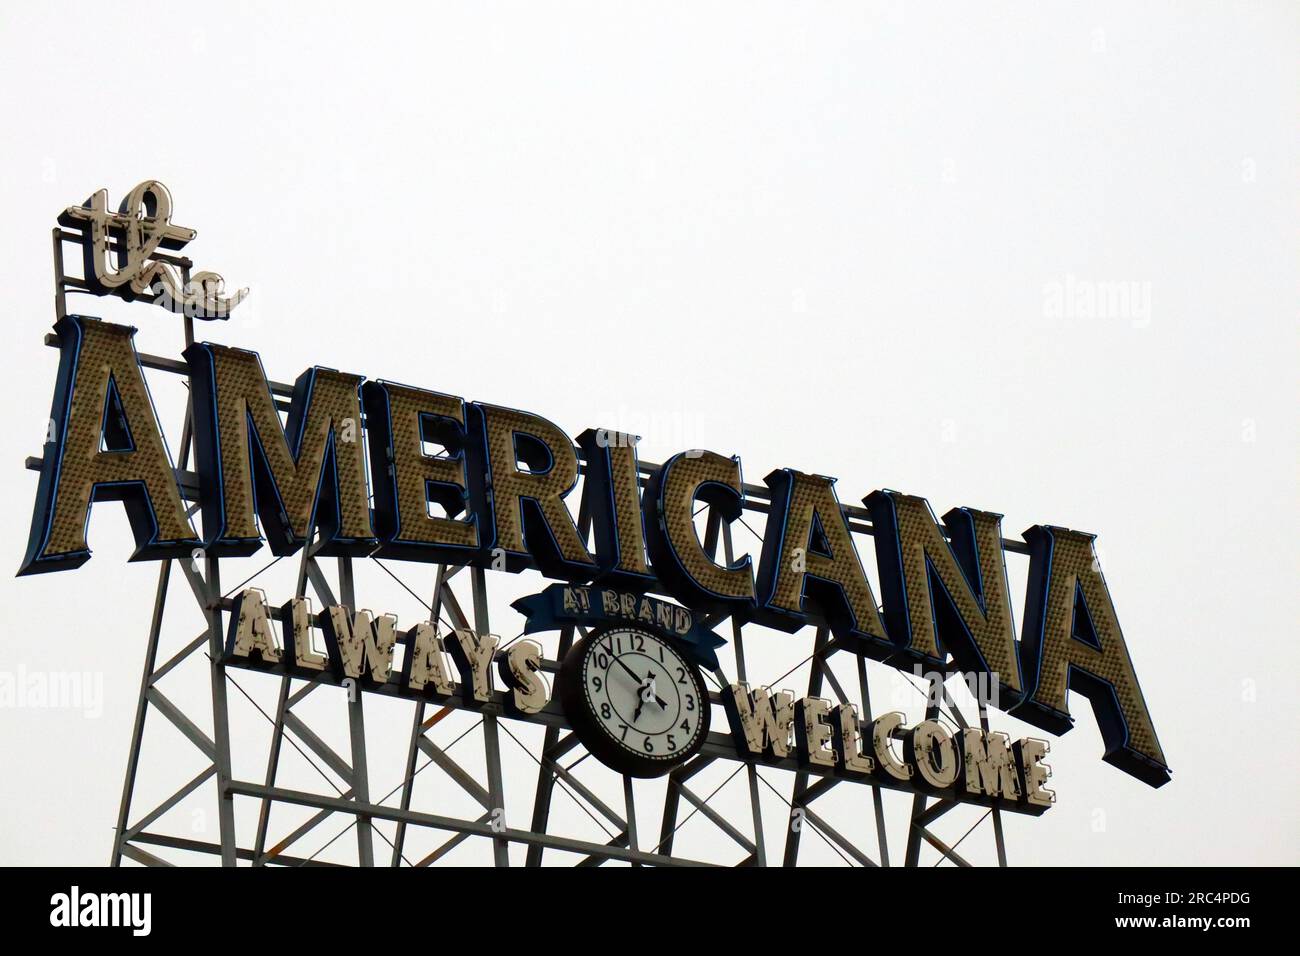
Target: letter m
x=990 y=768
x=308 y=474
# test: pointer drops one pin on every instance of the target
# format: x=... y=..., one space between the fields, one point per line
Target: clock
x=634 y=699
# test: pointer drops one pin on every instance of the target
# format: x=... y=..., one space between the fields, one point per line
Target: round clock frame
x=635 y=699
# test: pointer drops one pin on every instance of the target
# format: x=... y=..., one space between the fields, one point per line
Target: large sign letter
x=530 y=466
x=943 y=597
x=809 y=564
x=1072 y=641
x=675 y=550
x=310 y=472
x=612 y=495
x=399 y=420
x=105 y=445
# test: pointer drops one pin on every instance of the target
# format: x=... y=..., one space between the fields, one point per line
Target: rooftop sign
x=370 y=467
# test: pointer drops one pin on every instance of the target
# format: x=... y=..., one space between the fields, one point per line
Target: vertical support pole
x=60 y=293
x=417 y=725
x=630 y=803
x=159 y=607
x=491 y=738
x=756 y=812
x=913 y=857
x=800 y=778
x=667 y=829
x=408 y=781
x=673 y=794
x=998 y=837
x=142 y=704
x=876 y=797
x=751 y=771
x=272 y=767
x=546 y=776
x=220 y=715
x=492 y=753
x=277 y=735
x=357 y=732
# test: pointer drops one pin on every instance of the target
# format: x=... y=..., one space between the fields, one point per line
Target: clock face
x=635 y=701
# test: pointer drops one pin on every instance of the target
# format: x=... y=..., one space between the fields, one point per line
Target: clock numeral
x=596 y=683
x=605 y=711
x=624 y=728
x=672 y=743
x=602 y=661
x=638 y=641
x=685 y=726
x=690 y=701
x=648 y=746
x=681 y=675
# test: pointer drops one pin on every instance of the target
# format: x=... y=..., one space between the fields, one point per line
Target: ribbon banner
x=562 y=604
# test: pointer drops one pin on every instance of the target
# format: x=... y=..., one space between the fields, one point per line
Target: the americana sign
x=373 y=467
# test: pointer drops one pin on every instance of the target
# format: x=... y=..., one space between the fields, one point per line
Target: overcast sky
x=843 y=238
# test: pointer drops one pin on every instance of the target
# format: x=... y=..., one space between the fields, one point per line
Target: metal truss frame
x=144 y=838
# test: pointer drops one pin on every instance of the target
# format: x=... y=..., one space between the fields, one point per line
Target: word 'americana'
x=496 y=498
x=361 y=650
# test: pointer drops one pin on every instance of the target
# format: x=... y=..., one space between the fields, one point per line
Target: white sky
x=815 y=235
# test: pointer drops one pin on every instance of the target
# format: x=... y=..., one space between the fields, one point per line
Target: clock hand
x=631 y=673
x=648 y=691
x=646 y=694
x=648 y=688
x=663 y=704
